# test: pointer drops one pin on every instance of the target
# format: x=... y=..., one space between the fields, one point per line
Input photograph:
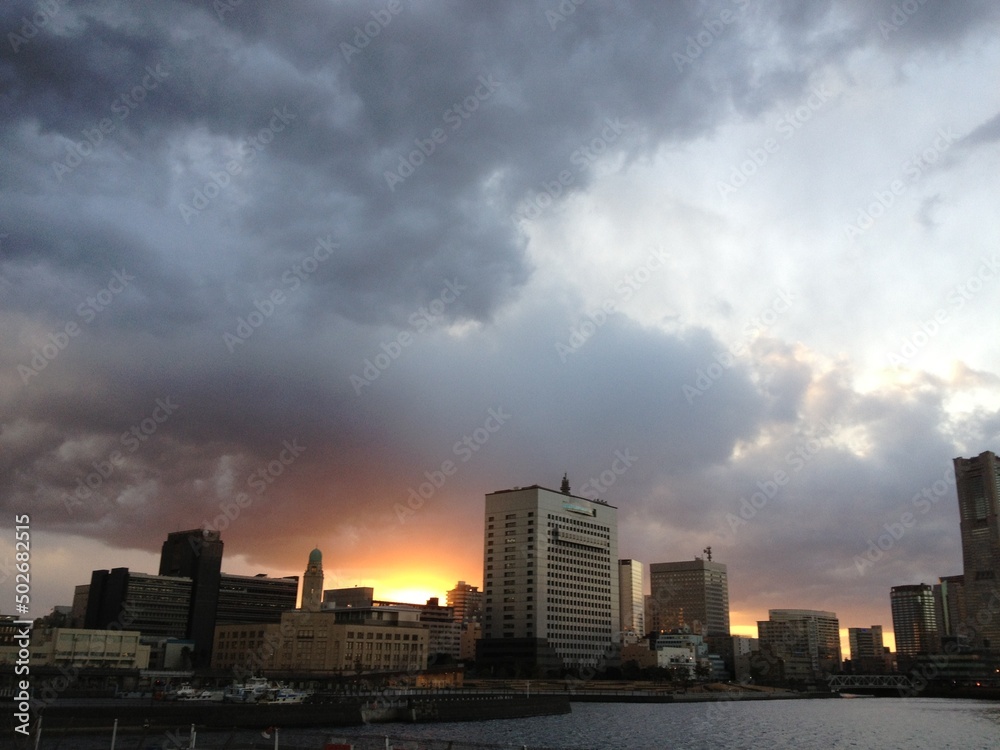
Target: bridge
x=870 y=682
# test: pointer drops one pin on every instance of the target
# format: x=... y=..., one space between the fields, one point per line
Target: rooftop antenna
x=564 y=487
x=708 y=553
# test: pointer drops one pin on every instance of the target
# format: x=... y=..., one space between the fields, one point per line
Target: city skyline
x=325 y=277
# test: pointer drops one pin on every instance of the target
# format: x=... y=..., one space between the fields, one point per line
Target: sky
x=327 y=273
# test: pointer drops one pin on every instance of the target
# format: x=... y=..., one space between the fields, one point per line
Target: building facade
x=550 y=581
x=914 y=619
x=467 y=602
x=692 y=593
x=799 y=645
x=196 y=554
x=631 y=601
x=977 y=483
x=256 y=598
x=379 y=639
x=868 y=653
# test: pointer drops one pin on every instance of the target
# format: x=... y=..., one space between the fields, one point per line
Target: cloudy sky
x=280 y=269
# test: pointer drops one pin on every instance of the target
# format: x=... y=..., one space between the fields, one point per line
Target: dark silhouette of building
x=197 y=554
x=977 y=482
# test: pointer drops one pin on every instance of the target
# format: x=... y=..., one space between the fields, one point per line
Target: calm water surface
x=833 y=724
x=861 y=724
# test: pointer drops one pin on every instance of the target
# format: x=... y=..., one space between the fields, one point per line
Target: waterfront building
x=550 y=581
x=743 y=649
x=950 y=607
x=799 y=645
x=312 y=582
x=471 y=633
x=196 y=554
x=156 y=606
x=868 y=653
x=977 y=482
x=631 y=602
x=349 y=641
x=692 y=593
x=914 y=620
x=256 y=598
x=467 y=601
x=81 y=648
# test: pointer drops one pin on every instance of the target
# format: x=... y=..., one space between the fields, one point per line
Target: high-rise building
x=197 y=554
x=803 y=645
x=312 y=582
x=694 y=593
x=977 y=482
x=467 y=601
x=868 y=653
x=156 y=606
x=631 y=605
x=551 y=581
x=950 y=607
x=914 y=620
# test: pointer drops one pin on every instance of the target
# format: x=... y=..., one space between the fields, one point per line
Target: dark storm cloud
x=255 y=177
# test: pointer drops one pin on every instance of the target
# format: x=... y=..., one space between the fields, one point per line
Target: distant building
x=977 y=483
x=743 y=648
x=156 y=606
x=467 y=602
x=868 y=654
x=471 y=633
x=256 y=598
x=631 y=602
x=798 y=645
x=694 y=593
x=89 y=649
x=551 y=582
x=196 y=554
x=914 y=620
x=350 y=641
x=950 y=608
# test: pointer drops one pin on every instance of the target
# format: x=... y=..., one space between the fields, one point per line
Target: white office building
x=631 y=602
x=550 y=580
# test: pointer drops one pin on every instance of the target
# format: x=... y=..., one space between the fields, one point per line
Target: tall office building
x=197 y=554
x=312 y=582
x=977 y=482
x=803 y=644
x=550 y=581
x=868 y=654
x=467 y=601
x=914 y=619
x=950 y=607
x=631 y=609
x=693 y=593
x=157 y=606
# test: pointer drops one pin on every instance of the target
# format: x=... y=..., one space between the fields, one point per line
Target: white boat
x=251 y=691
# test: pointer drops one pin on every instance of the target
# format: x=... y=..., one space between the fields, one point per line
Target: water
x=855 y=724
